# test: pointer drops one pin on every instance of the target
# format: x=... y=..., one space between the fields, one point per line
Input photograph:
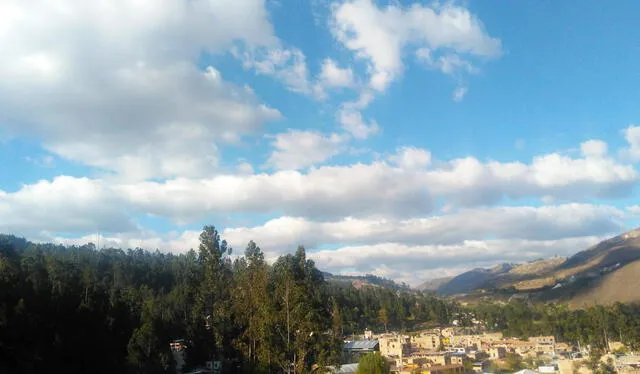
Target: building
x=368 y=334
x=547 y=369
x=543 y=339
x=178 y=352
x=393 y=345
x=496 y=353
x=481 y=366
x=444 y=369
x=628 y=364
x=352 y=350
x=426 y=340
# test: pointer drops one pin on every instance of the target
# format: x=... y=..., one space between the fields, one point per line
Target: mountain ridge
x=587 y=277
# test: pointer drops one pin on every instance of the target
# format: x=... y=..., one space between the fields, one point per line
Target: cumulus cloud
x=593 y=148
x=380 y=188
x=632 y=136
x=65 y=204
x=112 y=84
x=288 y=65
x=522 y=222
x=333 y=76
x=172 y=242
x=408 y=186
x=414 y=264
x=379 y=35
x=327 y=191
x=467 y=181
x=352 y=122
x=299 y=149
x=411 y=158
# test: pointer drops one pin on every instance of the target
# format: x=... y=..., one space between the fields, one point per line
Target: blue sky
x=406 y=139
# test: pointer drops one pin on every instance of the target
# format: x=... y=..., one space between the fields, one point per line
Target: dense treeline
x=595 y=326
x=79 y=309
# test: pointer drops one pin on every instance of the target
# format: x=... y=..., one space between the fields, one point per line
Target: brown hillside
x=622 y=285
x=538 y=267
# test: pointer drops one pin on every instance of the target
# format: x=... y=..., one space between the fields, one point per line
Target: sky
x=411 y=140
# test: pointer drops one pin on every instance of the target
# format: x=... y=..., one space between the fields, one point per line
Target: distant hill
x=433 y=284
x=622 y=285
x=603 y=273
x=359 y=281
x=473 y=279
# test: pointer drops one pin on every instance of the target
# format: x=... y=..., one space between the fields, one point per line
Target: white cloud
x=459 y=93
x=289 y=65
x=353 y=123
x=113 y=84
x=299 y=149
x=332 y=75
x=379 y=35
x=172 y=242
x=244 y=168
x=632 y=136
x=64 y=204
x=450 y=64
x=594 y=148
x=411 y=158
x=414 y=264
x=327 y=191
x=467 y=181
x=634 y=210
x=523 y=222
x=383 y=189
x=408 y=188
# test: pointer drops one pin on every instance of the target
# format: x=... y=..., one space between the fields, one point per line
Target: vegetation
x=373 y=363
x=595 y=326
x=79 y=309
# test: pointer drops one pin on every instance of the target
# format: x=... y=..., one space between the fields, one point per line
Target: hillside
x=622 y=286
x=474 y=279
x=359 y=281
x=433 y=284
x=602 y=273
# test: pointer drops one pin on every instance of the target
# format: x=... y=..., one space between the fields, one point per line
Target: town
x=457 y=350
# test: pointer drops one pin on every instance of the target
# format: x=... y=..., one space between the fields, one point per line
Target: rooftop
x=361 y=344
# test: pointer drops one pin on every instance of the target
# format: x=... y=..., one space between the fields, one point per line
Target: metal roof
x=361 y=344
x=345 y=369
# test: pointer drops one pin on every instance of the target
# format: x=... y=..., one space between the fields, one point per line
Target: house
x=352 y=350
x=393 y=345
x=368 y=334
x=497 y=353
x=426 y=340
x=547 y=369
x=444 y=369
x=480 y=366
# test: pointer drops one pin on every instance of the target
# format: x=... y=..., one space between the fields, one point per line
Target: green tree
x=513 y=362
x=383 y=317
x=373 y=363
x=214 y=296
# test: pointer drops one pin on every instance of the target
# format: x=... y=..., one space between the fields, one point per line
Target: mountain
x=603 y=273
x=473 y=279
x=622 y=285
x=433 y=284
x=359 y=281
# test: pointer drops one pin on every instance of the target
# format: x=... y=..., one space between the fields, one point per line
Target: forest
x=594 y=327
x=80 y=309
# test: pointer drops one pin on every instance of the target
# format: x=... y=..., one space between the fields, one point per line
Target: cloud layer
x=157 y=98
